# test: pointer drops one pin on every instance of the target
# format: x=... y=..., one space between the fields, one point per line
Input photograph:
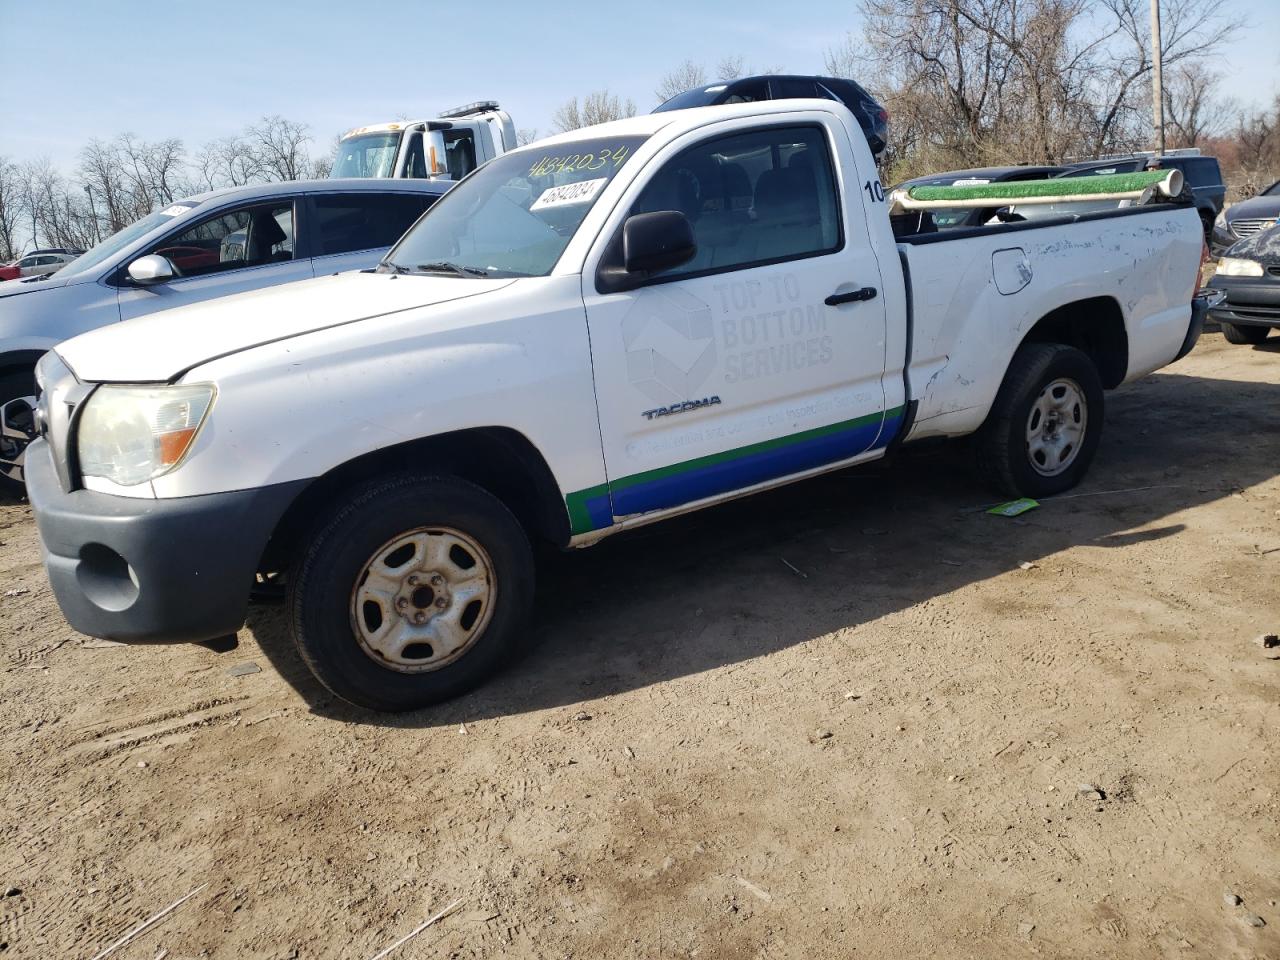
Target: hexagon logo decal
x=671 y=347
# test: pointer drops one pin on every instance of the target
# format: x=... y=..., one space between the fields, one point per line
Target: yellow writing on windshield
x=570 y=162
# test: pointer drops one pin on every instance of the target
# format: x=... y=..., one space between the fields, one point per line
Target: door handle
x=853 y=296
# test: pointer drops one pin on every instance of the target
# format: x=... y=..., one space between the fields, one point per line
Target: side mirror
x=152 y=269
x=657 y=241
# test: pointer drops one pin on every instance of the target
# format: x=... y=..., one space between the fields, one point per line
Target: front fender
x=298 y=408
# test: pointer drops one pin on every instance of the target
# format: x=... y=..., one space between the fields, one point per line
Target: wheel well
x=19 y=361
x=498 y=459
x=1095 y=327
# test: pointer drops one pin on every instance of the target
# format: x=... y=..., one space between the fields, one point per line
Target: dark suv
x=1202 y=175
x=873 y=118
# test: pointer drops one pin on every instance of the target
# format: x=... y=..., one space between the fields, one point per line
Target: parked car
x=956 y=217
x=74 y=251
x=1201 y=173
x=35 y=265
x=1247 y=218
x=207 y=246
x=872 y=117
x=607 y=328
x=1248 y=278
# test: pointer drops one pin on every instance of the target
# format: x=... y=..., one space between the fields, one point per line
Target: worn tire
x=1001 y=452
x=322 y=609
x=1244 y=333
x=16 y=384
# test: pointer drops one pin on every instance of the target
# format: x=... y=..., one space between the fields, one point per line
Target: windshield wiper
x=445 y=266
x=386 y=266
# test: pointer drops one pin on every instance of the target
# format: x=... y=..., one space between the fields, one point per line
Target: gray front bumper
x=151 y=571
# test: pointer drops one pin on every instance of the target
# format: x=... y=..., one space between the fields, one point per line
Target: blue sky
x=200 y=70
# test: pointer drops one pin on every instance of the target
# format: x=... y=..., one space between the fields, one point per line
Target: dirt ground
x=847 y=719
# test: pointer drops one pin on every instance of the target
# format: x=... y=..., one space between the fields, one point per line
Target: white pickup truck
x=592 y=333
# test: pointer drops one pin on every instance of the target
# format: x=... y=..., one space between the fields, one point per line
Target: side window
x=1200 y=173
x=248 y=237
x=460 y=153
x=747 y=92
x=364 y=221
x=752 y=198
x=795 y=88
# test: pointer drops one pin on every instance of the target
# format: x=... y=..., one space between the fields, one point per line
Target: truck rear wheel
x=412 y=592
x=1043 y=429
x=1244 y=333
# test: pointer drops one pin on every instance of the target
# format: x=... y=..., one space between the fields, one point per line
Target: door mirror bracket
x=651 y=242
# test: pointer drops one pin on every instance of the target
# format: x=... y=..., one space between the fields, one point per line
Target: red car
x=10 y=271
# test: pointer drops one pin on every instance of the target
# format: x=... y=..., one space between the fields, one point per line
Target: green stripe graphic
x=580 y=521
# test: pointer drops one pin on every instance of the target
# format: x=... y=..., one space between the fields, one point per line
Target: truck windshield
x=370 y=155
x=515 y=215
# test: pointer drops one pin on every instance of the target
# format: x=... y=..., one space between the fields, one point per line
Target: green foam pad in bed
x=1063 y=187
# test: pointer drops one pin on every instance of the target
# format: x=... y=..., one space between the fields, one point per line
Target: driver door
x=733 y=370
x=233 y=251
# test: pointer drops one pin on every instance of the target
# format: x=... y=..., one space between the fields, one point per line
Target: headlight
x=1221 y=219
x=1235 y=267
x=130 y=435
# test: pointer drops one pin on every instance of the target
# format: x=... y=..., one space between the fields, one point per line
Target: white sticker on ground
x=567 y=194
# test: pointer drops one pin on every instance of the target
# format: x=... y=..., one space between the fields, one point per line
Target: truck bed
x=993 y=284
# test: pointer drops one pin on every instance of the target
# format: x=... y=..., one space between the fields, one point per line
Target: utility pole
x=1157 y=81
x=97 y=237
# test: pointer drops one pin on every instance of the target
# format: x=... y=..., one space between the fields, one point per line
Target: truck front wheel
x=1043 y=429
x=411 y=592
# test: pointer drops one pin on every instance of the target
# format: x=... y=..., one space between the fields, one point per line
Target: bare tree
x=279 y=148
x=10 y=210
x=969 y=82
x=684 y=77
x=1193 y=111
x=118 y=181
x=226 y=162
x=526 y=135
x=599 y=106
x=1253 y=154
x=733 y=67
x=1191 y=31
x=691 y=74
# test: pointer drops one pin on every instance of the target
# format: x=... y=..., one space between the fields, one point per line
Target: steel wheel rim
x=1056 y=427
x=423 y=599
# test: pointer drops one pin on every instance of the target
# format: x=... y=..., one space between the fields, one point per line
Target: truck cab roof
x=678 y=122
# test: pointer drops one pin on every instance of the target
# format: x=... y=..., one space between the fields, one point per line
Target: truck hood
x=1255 y=208
x=164 y=345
